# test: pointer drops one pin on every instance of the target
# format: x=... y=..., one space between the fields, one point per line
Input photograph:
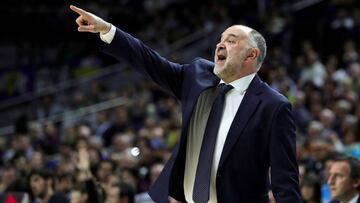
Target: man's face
x=64 y=184
x=38 y=185
x=231 y=52
x=8 y=175
x=340 y=182
x=104 y=171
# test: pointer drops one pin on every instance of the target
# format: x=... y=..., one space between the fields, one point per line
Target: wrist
x=107 y=28
x=85 y=173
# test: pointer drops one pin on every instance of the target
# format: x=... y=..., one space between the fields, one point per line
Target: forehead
x=36 y=177
x=340 y=167
x=236 y=31
x=106 y=165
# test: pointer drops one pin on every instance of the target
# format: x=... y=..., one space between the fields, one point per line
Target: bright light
x=135 y=151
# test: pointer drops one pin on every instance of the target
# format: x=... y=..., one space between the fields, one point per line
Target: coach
x=235 y=127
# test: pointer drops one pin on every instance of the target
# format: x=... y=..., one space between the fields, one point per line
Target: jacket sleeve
x=167 y=74
x=284 y=168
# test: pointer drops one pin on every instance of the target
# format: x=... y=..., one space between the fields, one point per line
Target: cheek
x=236 y=55
x=232 y=59
x=42 y=185
x=343 y=184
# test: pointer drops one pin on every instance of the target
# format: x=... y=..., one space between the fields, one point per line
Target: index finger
x=78 y=10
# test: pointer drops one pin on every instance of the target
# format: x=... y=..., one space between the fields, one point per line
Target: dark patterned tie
x=203 y=171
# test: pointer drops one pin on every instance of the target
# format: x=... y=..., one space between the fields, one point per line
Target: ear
x=356 y=183
x=253 y=53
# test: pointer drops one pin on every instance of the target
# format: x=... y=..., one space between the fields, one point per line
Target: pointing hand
x=89 y=22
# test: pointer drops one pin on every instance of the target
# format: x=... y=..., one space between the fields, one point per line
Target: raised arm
x=123 y=46
x=93 y=188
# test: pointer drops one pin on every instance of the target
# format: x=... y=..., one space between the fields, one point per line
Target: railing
x=300 y=5
x=27 y=97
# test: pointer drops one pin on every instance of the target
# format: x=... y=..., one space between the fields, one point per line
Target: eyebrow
x=337 y=173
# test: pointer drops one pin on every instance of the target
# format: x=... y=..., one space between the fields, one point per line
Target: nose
x=220 y=45
x=330 y=180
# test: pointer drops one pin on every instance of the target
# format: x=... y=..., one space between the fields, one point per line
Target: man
x=89 y=191
x=41 y=188
x=64 y=183
x=344 y=180
x=104 y=170
x=155 y=171
x=255 y=130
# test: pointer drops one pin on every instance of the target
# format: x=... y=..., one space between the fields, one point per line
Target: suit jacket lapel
x=194 y=89
x=243 y=114
x=203 y=82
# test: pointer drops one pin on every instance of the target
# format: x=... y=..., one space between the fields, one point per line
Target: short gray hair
x=256 y=40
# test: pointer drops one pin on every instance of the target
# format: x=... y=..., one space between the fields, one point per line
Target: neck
x=348 y=197
x=229 y=80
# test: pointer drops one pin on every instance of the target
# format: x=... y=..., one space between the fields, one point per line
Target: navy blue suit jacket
x=262 y=134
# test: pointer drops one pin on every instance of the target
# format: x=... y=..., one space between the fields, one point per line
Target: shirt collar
x=241 y=84
x=354 y=199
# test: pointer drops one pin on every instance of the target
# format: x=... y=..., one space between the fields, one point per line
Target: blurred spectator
x=121 y=124
x=64 y=183
x=319 y=150
x=48 y=107
x=90 y=190
x=155 y=171
x=104 y=123
x=327 y=119
x=342 y=20
x=50 y=140
x=314 y=71
x=350 y=54
x=37 y=160
x=302 y=115
x=9 y=175
x=41 y=188
x=104 y=170
x=344 y=180
x=126 y=193
x=310 y=189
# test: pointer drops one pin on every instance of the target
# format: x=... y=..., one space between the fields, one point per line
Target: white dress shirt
x=197 y=127
x=109 y=36
x=354 y=199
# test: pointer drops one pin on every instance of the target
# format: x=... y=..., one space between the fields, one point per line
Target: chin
x=218 y=70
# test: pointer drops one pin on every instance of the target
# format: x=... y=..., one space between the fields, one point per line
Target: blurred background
x=59 y=92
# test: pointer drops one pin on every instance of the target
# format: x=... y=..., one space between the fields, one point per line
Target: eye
x=231 y=41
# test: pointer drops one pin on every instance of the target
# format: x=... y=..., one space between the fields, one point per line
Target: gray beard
x=227 y=71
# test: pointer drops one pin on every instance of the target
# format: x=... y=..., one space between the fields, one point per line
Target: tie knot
x=224 y=88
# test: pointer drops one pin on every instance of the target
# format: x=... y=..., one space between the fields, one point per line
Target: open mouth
x=221 y=58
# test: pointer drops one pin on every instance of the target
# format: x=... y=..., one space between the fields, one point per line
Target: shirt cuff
x=109 y=36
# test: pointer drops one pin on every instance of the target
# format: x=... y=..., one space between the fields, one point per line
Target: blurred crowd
x=313 y=59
